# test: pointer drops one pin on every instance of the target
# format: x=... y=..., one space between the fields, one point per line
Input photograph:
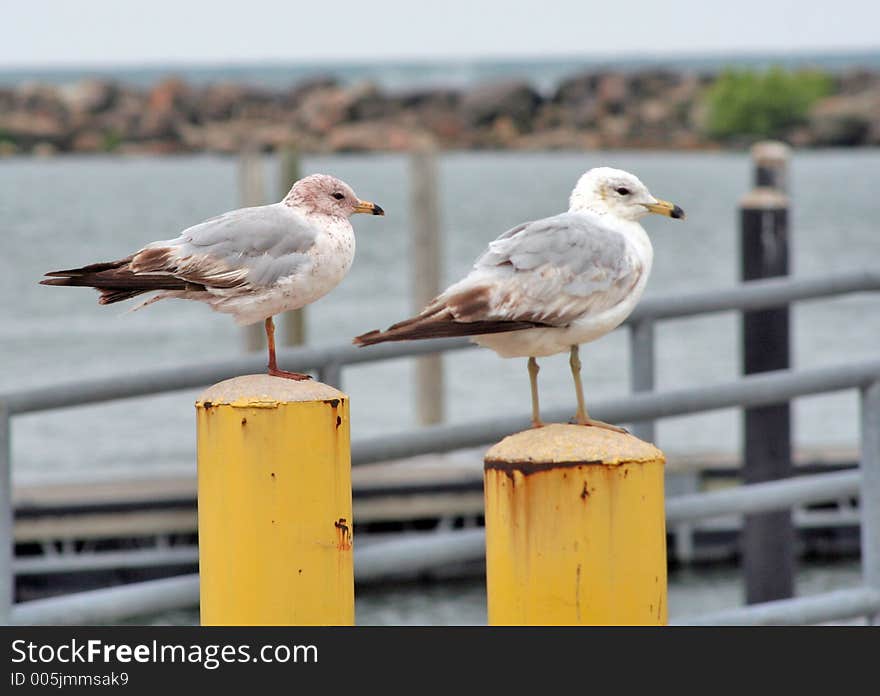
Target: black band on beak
x=368 y=208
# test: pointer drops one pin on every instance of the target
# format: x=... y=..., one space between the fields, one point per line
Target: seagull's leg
x=533 y=379
x=582 y=417
x=574 y=361
x=273 y=366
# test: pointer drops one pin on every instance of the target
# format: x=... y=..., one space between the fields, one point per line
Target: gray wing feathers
x=552 y=271
x=252 y=247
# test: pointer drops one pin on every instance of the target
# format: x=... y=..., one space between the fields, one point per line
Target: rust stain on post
x=344 y=534
x=568 y=501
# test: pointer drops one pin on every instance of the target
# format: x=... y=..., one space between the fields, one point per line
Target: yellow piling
x=275 y=523
x=575 y=529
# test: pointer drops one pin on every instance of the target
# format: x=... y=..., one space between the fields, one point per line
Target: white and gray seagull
x=546 y=286
x=252 y=263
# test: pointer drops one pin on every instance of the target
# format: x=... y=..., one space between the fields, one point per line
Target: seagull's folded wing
x=550 y=272
x=243 y=249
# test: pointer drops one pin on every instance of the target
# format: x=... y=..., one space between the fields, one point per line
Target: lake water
x=544 y=73
x=692 y=592
x=63 y=212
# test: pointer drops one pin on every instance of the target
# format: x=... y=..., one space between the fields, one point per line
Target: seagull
x=252 y=263
x=547 y=286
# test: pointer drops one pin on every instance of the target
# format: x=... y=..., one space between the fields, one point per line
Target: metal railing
x=643 y=409
x=764 y=294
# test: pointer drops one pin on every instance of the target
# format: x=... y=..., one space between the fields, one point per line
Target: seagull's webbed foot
x=298 y=376
x=601 y=424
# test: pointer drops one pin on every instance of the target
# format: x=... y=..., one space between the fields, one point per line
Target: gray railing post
x=768 y=538
x=7 y=516
x=642 y=372
x=641 y=356
x=870 y=492
x=331 y=374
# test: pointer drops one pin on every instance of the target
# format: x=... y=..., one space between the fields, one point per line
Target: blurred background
x=122 y=123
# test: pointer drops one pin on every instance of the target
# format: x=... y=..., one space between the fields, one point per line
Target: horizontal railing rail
x=748 y=296
x=764 y=497
x=753 y=295
x=753 y=390
x=194 y=375
x=410 y=553
x=836 y=605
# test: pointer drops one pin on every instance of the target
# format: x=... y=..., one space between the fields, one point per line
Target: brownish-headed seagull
x=546 y=286
x=252 y=263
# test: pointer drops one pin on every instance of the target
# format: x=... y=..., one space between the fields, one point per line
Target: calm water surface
x=463 y=602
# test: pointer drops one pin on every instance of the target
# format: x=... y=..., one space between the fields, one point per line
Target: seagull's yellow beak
x=666 y=208
x=369 y=208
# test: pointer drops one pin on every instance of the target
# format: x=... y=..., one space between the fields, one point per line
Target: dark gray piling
x=768 y=538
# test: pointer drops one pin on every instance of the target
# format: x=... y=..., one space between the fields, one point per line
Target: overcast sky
x=114 y=32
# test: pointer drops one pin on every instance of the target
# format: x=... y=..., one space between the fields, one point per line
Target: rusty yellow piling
x=274 y=488
x=575 y=529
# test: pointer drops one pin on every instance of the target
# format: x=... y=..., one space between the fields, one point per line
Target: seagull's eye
x=338 y=196
x=623 y=191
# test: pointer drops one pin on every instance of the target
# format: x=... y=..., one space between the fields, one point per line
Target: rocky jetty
x=646 y=109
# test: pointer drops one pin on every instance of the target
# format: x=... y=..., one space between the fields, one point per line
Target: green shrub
x=762 y=104
x=112 y=140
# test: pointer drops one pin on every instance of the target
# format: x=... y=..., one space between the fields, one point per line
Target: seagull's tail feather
x=439 y=322
x=116 y=281
x=91 y=269
x=111 y=296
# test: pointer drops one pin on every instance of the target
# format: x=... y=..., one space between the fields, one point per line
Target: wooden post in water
x=575 y=529
x=768 y=538
x=252 y=192
x=289 y=173
x=770 y=162
x=275 y=521
x=425 y=265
